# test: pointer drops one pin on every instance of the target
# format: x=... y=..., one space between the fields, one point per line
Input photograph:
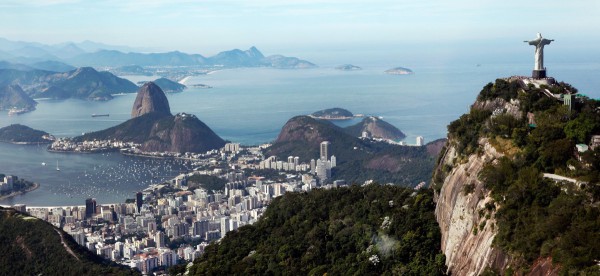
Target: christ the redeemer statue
x=539 y=71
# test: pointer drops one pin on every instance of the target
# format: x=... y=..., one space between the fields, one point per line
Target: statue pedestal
x=539 y=74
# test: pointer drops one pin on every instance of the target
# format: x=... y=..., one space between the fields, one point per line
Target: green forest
x=371 y=230
x=31 y=246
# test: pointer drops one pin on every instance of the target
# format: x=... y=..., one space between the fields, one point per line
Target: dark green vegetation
x=333 y=113
x=168 y=85
x=537 y=217
x=12 y=96
x=357 y=160
x=33 y=247
x=208 y=182
x=338 y=232
x=23 y=134
x=162 y=132
x=81 y=83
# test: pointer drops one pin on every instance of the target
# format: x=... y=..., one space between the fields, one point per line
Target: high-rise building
x=90 y=207
x=139 y=200
x=313 y=166
x=420 y=141
x=324 y=149
x=333 y=161
x=224 y=226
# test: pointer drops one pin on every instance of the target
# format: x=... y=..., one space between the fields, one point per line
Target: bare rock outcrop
x=150 y=98
x=467 y=234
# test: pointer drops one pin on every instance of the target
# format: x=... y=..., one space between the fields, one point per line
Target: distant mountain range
x=94 y=54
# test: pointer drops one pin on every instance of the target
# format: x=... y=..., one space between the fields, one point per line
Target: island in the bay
x=348 y=67
x=335 y=113
x=399 y=71
x=20 y=134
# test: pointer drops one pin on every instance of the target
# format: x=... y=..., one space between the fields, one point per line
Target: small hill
x=372 y=230
x=348 y=67
x=31 y=246
x=282 y=62
x=376 y=128
x=13 y=96
x=358 y=160
x=82 y=83
x=150 y=98
x=23 y=134
x=168 y=85
x=153 y=126
x=399 y=71
x=158 y=132
x=87 y=83
x=335 y=113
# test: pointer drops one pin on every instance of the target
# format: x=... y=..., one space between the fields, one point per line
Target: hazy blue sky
x=436 y=31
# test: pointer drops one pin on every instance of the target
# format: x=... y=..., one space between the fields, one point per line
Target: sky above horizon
x=376 y=30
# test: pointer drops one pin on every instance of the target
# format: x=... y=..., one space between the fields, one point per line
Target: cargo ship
x=100 y=115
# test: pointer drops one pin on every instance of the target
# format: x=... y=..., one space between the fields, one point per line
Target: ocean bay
x=250 y=106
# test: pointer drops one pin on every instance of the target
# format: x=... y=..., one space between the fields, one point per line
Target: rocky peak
x=150 y=98
x=254 y=53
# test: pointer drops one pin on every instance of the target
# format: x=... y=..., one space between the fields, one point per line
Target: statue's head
x=539 y=35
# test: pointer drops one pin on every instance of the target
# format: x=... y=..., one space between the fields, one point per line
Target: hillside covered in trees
x=31 y=246
x=371 y=230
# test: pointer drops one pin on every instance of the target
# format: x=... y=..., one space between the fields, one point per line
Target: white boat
x=43 y=163
x=57 y=168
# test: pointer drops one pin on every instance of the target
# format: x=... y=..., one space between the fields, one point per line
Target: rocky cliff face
x=150 y=98
x=467 y=246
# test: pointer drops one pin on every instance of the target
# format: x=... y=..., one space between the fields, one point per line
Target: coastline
x=13 y=194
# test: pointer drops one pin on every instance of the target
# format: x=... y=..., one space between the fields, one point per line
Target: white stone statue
x=539 y=44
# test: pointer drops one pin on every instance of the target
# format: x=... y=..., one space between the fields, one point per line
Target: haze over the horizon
x=328 y=31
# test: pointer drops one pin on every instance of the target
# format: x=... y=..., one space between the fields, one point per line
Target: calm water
x=250 y=106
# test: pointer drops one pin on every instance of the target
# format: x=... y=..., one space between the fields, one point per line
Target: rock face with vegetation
x=376 y=128
x=153 y=126
x=371 y=230
x=31 y=246
x=150 y=98
x=12 y=96
x=23 y=134
x=357 y=160
x=496 y=210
